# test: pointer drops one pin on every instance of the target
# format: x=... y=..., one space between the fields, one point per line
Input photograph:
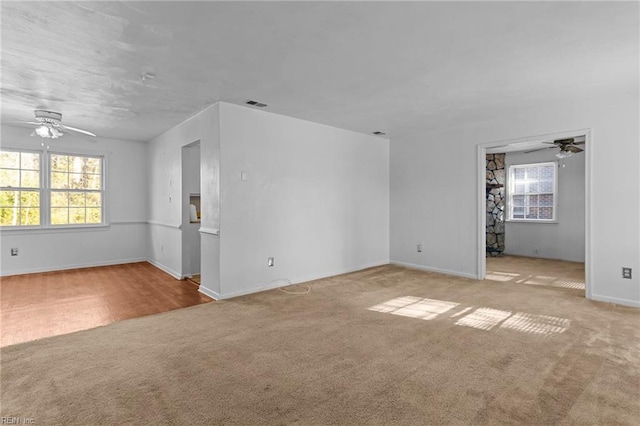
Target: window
x=67 y=189
x=76 y=189
x=20 y=188
x=532 y=192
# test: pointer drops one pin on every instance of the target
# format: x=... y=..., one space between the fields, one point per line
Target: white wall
x=165 y=193
x=124 y=240
x=565 y=239
x=316 y=198
x=434 y=181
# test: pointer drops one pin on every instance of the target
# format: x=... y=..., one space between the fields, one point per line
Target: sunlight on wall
x=482 y=318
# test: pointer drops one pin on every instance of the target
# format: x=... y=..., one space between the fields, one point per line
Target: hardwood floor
x=52 y=303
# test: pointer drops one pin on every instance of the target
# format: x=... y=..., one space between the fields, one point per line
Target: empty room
x=320 y=212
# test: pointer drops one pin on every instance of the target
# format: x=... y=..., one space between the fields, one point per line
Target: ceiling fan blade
x=567 y=141
x=572 y=148
x=539 y=149
x=73 y=129
x=22 y=122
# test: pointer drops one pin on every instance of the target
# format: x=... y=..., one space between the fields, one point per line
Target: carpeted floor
x=537 y=271
x=387 y=345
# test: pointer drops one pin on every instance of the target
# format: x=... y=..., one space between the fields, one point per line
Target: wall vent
x=379 y=133
x=255 y=103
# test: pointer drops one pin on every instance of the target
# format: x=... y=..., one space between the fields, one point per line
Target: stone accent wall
x=496 y=179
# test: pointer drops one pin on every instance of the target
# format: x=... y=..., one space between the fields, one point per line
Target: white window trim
x=40 y=189
x=510 y=190
x=45 y=192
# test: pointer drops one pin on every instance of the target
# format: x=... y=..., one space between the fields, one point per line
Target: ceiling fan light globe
x=43 y=131
x=564 y=154
x=55 y=133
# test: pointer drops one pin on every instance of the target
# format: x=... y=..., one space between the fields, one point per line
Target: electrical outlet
x=419 y=248
x=270 y=261
x=14 y=251
x=626 y=273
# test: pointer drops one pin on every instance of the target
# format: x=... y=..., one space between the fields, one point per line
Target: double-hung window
x=49 y=189
x=20 y=188
x=75 y=189
x=532 y=192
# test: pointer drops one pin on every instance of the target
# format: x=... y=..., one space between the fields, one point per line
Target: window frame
x=510 y=188
x=46 y=190
x=50 y=190
x=40 y=189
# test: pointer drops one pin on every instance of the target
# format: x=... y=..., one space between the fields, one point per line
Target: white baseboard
x=280 y=283
x=212 y=294
x=72 y=266
x=544 y=257
x=340 y=272
x=166 y=269
x=625 y=302
x=252 y=290
x=438 y=270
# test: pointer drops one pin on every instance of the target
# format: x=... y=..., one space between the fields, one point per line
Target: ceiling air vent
x=379 y=133
x=255 y=103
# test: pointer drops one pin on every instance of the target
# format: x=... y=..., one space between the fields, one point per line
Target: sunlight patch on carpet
x=500 y=276
x=483 y=318
x=578 y=285
x=414 y=307
x=541 y=280
x=537 y=324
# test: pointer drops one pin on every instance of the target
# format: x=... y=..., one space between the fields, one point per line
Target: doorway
x=191 y=213
x=520 y=150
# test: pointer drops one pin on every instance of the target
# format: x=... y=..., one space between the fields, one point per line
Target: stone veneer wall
x=496 y=178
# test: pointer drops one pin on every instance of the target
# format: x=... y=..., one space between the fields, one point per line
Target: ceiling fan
x=567 y=146
x=49 y=125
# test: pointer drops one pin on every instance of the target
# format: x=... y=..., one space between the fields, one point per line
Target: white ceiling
x=402 y=68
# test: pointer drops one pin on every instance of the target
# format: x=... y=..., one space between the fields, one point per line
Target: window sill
x=56 y=229
x=550 y=222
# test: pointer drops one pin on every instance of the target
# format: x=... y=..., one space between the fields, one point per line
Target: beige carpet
x=383 y=346
x=536 y=271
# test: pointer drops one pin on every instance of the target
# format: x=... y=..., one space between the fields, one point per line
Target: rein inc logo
x=16 y=420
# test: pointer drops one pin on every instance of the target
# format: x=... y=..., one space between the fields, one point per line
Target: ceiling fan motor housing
x=48 y=116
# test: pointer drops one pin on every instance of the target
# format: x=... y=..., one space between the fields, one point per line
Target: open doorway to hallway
x=534 y=212
x=191 y=212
